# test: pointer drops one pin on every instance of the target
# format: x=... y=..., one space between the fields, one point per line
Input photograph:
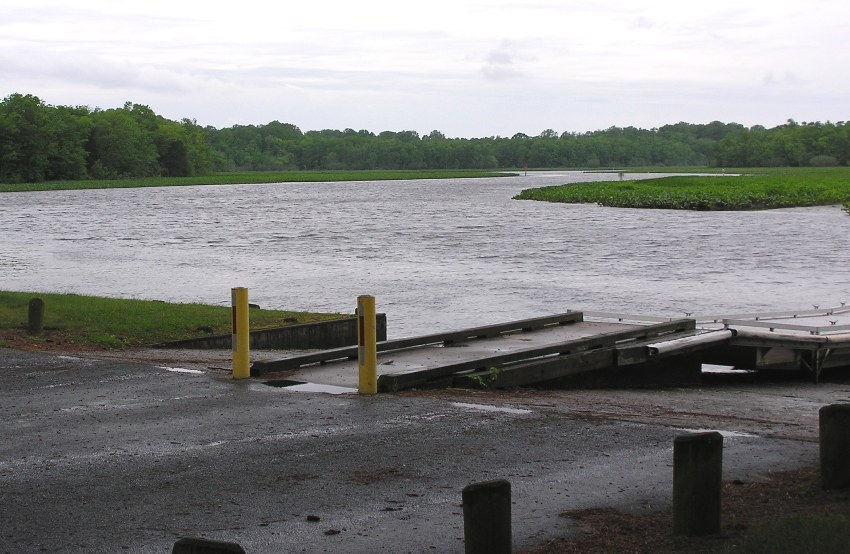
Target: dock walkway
x=512 y=354
x=586 y=348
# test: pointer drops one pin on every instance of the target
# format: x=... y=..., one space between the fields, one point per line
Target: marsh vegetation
x=765 y=189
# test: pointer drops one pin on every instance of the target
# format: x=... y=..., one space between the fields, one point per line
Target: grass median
x=89 y=321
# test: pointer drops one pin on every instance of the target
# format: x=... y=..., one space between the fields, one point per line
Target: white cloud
x=466 y=67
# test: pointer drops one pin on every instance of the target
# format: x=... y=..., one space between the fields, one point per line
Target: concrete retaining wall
x=335 y=333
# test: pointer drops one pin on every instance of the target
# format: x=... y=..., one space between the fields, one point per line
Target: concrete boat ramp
x=579 y=349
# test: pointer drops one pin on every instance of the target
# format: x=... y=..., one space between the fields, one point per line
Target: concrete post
x=487 y=517
x=697 y=478
x=367 y=345
x=834 y=430
x=35 y=321
x=241 y=339
x=204 y=546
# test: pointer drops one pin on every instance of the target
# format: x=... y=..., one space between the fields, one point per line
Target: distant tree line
x=44 y=143
x=40 y=142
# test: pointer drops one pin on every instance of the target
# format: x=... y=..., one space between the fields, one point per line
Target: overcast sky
x=469 y=68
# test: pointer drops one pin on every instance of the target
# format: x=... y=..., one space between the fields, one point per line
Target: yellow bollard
x=241 y=340
x=367 y=345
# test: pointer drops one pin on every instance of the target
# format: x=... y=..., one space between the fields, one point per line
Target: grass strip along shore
x=118 y=323
x=766 y=189
x=250 y=178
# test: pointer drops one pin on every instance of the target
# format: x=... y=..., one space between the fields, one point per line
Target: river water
x=437 y=255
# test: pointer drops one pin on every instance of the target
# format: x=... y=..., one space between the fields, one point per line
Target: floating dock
x=575 y=349
x=807 y=340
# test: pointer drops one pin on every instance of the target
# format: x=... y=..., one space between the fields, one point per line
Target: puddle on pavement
x=182 y=370
x=726 y=434
x=283 y=383
x=488 y=408
x=301 y=386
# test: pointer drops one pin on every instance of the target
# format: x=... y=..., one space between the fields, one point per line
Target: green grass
x=117 y=323
x=254 y=177
x=768 y=189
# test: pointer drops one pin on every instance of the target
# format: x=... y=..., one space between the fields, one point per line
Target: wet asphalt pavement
x=114 y=456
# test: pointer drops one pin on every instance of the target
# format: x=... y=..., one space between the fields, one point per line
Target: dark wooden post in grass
x=190 y=545
x=697 y=478
x=834 y=431
x=487 y=517
x=35 y=321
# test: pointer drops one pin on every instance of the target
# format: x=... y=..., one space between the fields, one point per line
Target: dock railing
x=835 y=318
x=767 y=320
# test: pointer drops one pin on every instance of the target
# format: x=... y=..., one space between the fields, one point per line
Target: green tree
x=119 y=147
x=172 y=150
x=24 y=139
x=200 y=152
x=69 y=130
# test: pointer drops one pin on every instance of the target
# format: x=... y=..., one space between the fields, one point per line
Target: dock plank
x=420 y=377
x=451 y=337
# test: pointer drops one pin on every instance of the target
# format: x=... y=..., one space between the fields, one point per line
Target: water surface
x=437 y=255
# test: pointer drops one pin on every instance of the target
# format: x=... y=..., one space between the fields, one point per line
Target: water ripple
x=436 y=254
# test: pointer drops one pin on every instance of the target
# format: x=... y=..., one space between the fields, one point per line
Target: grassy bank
x=254 y=177
x=766 y=189
x=117 y=323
